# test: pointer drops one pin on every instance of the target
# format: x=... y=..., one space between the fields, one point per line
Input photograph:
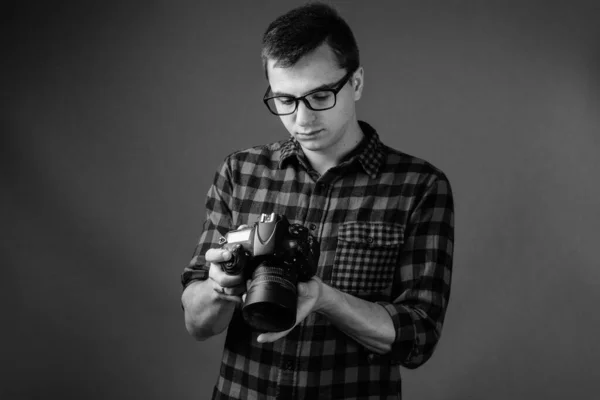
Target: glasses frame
x=333 y=88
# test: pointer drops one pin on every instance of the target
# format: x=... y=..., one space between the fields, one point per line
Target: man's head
x=308 y=54
x=303 y=29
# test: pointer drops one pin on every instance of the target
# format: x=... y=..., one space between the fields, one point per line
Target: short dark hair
x=301 y=30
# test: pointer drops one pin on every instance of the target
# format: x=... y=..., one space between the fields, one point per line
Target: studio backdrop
x=115 y=115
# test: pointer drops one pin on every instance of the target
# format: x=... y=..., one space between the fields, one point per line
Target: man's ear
x=358 y=83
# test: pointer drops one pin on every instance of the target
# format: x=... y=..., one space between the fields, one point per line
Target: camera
x=275 y=255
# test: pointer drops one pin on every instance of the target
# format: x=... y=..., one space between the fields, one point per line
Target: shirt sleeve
x=218 y=221
x=422 y=284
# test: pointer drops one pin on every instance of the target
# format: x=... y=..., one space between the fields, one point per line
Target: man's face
x=332 y=132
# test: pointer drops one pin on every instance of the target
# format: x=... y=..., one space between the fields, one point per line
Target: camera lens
x=271 y=299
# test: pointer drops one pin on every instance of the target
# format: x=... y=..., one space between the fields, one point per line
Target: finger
x=236 y=290
x=228 y=286
x=229 y=291
x=233 y=299
x=271 y=336
x=221 y=279
x=217 y=274
x=302 y=289
x=244 y=226
x=217 y=255
x=229 y=294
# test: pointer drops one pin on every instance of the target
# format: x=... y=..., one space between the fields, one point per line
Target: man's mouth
x=309 y=133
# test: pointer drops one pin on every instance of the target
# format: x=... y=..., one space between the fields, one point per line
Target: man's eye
x=286 y=101
x=321 y=96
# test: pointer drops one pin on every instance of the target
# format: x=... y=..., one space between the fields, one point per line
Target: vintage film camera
x=275 y=255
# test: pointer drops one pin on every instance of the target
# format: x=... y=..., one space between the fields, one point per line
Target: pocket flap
x=372 y=233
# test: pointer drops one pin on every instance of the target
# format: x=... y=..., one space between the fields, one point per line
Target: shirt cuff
x=406 y=344
x=194 y=272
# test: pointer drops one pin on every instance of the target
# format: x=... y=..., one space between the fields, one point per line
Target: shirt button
x=370 y=358
x=370 y=239
x=288 y=365
x=313 y=227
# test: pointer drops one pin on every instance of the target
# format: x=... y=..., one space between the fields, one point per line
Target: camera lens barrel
x=271 y=298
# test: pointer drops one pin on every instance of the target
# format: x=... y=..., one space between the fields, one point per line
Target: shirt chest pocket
x=366 y=256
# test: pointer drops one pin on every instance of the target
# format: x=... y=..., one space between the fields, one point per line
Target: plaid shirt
x=385 y=224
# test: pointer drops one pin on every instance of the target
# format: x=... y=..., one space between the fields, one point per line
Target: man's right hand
x=226 y=287
x=209 y=304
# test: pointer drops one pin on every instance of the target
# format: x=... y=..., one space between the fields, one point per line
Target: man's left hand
x=310 y=296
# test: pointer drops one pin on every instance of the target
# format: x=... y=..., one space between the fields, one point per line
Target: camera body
x=275 y=255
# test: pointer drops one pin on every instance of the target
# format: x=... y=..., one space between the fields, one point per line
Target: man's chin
x=310 y=145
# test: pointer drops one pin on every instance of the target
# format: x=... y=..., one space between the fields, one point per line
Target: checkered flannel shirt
x=385 y=223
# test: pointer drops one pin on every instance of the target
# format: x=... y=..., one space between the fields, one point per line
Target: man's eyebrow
x=321 y=87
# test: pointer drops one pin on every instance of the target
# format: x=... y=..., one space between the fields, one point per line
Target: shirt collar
x=370 y=152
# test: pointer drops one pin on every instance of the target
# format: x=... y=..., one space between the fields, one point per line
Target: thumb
x=302 y=289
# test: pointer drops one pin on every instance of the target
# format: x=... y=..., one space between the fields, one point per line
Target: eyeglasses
x=319 y=99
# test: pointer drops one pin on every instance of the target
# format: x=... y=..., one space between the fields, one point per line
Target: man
x=384 y=221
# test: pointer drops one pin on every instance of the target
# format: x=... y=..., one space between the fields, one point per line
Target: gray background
x=115 y=115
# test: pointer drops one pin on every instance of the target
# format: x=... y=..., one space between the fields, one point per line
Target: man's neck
x=322 y=161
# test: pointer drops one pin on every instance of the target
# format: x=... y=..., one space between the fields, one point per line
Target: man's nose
x=304 y=115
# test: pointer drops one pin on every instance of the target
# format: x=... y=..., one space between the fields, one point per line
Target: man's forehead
x=301 y=78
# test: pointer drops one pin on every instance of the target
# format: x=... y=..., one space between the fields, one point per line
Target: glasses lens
x=321 y=100
x=282 y=105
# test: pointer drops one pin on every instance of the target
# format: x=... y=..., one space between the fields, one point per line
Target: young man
x=384 y=221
